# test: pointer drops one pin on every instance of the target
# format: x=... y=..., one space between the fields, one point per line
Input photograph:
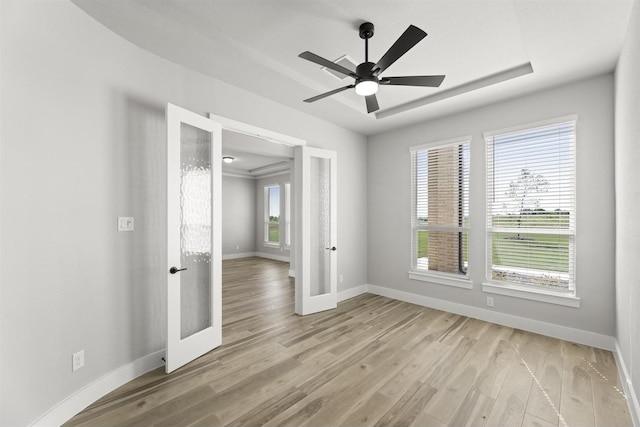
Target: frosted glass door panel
x=316 y=236
x=195 y=230
x=194 y=244
x=320 y=180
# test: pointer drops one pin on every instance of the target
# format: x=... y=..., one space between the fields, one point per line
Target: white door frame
x=278 y=138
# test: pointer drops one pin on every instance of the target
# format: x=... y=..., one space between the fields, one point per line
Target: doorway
x=257 y=198
x=314 y=251
x=314 y=179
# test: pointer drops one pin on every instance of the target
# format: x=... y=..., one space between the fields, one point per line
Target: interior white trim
x=239 y=175
x=272 y=174
x=82 y=398
x=442 y=142
x=239 y=255
x=625 y=380
x=533 y=125
x=255 y=131
x=499 y=77
x=461 y=282
x=579 y=336
x=352 y=292
x=273 y=257
x=532 y=294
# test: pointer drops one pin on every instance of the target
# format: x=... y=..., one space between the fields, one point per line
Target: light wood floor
x=371 y=362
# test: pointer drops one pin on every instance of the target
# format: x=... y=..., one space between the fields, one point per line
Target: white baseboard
x=272 y=256
x=258 y=254
x=549 y=329
x=238 y=255
x=75 y=403
x=352 y=292
x=625 y=380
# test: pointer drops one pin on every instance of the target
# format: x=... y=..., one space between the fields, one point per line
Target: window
x=440 y=208
x=272 y=214
x=287 y=214
x=531 y=207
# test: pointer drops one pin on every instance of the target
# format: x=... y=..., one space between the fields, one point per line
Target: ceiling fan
x=367 y=75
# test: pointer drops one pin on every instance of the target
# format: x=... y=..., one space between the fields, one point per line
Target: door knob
x=174 y=270
x=333 y=248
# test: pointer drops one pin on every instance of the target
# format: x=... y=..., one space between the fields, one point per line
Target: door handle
x=333 y=248
x=174 y=270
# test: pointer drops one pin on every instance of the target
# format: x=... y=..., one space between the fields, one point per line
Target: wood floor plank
x=269 y=409
x=610 y=406
x=425 y=420
x=491 y=378
x=451 y=393
x=533 y=421
x=372 y=361
x=544 y=399
x=576 y=401
x=474 y=412
x=389 y=363
x=366 y=412
x=405 y=411
x=511 y=402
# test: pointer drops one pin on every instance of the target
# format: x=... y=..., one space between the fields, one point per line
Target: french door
x=316 y=236
x=194 y=277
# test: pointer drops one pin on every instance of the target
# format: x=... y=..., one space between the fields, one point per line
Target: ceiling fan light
x=366 y=87
x=228 y=159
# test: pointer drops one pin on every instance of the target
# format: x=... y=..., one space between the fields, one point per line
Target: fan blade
x=406 y=41
x=431 y=81
x=372 y=103
x=324 y=95
x=326 y=63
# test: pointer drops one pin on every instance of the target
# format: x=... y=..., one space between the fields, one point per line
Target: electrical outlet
x=125 y=223
x=490 y=301
x=77 y=361
x=341 y=278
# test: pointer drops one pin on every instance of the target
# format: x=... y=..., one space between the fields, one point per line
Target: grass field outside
x=274 y=229
x=540 y=255
x=274 y=233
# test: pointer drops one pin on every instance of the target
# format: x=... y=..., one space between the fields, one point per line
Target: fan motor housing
x=365 y=69
x=366 y=30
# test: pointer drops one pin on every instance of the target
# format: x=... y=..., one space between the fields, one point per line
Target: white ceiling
x=485 y=48
x=254 y=157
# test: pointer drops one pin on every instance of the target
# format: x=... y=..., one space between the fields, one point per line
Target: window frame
x=267 y=217
x=520 y=290
x=442 y=278
x=287 y=215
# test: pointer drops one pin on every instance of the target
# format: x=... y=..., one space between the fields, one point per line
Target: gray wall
x=238 y=215
x=389 y=202
x=280 y=251
x=82 y=142
x=627 y=148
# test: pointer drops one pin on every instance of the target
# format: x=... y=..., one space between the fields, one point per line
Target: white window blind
x=440 y=207
x=531 y=205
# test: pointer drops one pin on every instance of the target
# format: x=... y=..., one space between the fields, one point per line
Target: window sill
x=441 y=279
x=272 y=245
x=532 y=294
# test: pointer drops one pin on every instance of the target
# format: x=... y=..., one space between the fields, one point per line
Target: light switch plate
x=125 y=223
